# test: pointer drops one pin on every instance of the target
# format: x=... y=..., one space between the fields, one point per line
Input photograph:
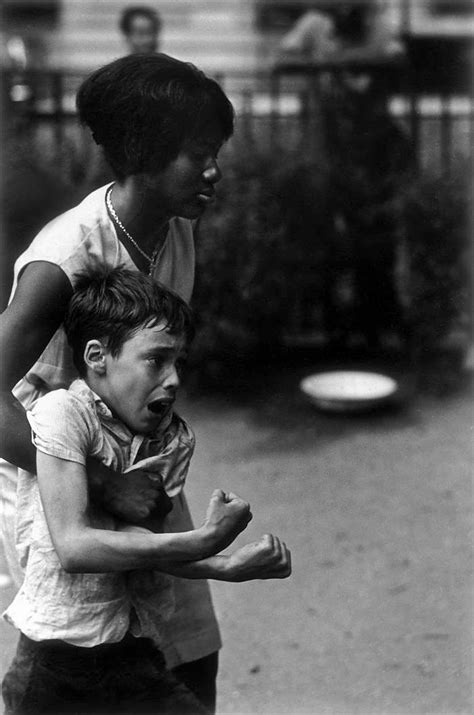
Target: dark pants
x=200 y=677
x=52 y=677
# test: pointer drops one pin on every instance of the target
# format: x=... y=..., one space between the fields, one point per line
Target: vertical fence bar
x=305 y=120
x=247 y=116
x=414 y=120
x=406 y=16
x=58 y=114
x=446 y=134
x=275 y=88
x=471 y=134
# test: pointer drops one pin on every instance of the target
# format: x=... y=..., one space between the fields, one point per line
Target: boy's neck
x=98 y=387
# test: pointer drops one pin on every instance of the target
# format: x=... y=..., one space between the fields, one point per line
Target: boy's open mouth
x=160 y=407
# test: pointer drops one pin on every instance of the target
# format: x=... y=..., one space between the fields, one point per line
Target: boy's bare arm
x=263 y=559
x=83 y=548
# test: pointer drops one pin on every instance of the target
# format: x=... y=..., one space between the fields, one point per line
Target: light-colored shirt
x=83 y=239
x=90 y=609
x=79 y=240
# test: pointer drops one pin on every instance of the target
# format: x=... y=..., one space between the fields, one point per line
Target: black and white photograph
x=236 y=357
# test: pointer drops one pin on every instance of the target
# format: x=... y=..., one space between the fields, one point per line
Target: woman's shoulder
x=72 y=237
x=66 y=230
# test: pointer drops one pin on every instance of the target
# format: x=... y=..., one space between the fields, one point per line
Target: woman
x=160 y=123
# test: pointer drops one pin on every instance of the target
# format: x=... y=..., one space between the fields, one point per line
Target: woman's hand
x=133 y=497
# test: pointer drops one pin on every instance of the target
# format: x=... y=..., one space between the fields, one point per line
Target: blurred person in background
x=141 y=27
x=370 y=155
x=365 y=152
x=311 y=39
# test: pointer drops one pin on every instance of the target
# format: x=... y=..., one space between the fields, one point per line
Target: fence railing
x=280 y=110
x=271 y=108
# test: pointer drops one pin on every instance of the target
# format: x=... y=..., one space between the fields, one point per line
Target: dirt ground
x=377 y=616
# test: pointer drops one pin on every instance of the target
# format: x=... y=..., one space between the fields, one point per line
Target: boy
x=85 y=621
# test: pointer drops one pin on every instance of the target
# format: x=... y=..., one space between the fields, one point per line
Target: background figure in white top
x=312 y=38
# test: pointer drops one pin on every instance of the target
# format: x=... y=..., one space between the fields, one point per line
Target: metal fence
x=273 y=110
x=278 y=114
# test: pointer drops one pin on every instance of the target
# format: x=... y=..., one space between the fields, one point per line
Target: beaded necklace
x=154 y=256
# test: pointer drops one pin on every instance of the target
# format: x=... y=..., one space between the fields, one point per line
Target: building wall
x=218 y=35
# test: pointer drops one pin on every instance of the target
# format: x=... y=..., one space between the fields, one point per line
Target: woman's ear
x=94 y=357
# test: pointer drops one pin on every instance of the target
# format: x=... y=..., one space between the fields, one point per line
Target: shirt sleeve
x=62 y=426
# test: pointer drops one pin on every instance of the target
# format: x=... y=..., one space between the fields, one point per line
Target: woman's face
x=187 y=185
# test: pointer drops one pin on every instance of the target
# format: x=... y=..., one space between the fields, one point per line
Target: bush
x=259 y=253
x=272 y=249
x=271 y=252
x=436 y=215
x=34 y=188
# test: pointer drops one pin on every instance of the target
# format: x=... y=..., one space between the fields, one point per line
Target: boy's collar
x=80 y=387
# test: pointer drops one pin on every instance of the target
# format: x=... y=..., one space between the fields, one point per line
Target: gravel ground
x=376 y=509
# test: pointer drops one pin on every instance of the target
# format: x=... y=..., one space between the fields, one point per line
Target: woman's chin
x=192 y=210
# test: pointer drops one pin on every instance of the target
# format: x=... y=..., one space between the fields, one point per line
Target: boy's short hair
x=142 y=109
x=112 y=304
x=130 y=13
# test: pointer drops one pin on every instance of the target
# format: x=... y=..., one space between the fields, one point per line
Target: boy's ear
x=94 y=357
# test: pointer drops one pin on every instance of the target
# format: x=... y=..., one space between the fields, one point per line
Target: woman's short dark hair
x=141 y=109
x=112 y=304
x=130 y=13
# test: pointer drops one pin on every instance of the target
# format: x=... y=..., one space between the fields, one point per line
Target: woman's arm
x=26 y=327
x=85 y=549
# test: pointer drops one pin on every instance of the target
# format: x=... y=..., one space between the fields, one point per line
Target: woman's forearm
x=15 y=434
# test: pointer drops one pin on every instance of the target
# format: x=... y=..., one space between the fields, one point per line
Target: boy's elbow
x=71 y=556
x=69 y=565
x=69 y=561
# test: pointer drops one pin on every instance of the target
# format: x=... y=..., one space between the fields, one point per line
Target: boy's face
x=139 y=385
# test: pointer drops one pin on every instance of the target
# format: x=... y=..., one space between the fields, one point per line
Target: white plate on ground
x=348 y=391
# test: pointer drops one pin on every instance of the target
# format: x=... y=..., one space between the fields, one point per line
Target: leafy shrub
x=36 y=186
x=258 y=252
x=437 y=215
x=263 y=251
